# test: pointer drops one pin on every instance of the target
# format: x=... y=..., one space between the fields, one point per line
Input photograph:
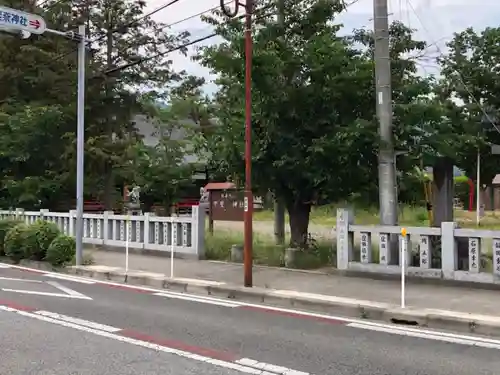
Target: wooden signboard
x=226 y=205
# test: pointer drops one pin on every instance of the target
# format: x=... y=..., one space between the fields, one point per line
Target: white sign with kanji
x=13 y=19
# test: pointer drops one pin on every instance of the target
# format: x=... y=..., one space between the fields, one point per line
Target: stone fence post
x=449 y=255
x=198 y=215
x=344 y=238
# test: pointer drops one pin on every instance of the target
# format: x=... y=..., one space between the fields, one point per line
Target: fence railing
x=148 y=232
x=447 y=252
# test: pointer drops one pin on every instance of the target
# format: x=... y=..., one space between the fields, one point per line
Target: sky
x=435 y=21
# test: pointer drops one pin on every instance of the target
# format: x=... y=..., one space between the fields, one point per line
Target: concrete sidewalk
x=418 y=295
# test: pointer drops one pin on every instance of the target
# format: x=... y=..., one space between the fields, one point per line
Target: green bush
x=61 y=251
x=5 y=226
x=38 y=238
x=14 y=242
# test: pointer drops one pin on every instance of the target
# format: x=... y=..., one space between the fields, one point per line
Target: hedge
x=14 y=242
x=61 y=251
x=38 y=238
x=5 y=226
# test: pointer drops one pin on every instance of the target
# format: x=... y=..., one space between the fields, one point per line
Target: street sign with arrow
x=13 y=19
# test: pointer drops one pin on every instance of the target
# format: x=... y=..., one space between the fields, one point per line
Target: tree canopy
x=38 y=80
x=314 y=127
x=313 y=101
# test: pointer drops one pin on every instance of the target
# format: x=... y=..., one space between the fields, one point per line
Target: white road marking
x=68 y=293
x=207 y=300
x=18 y=279
x=43 y=293
x=144 y=344
x=81 y=322
x=350 y=322
x=70 y=278
x=269 y=368
x=3 y=265
x=432 y=335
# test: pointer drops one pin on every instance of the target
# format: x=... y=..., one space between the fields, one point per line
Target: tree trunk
x=299 y=213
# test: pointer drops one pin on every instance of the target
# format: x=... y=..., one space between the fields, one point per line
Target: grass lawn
x=323 y=252
x=408 y=215
x=265 y=251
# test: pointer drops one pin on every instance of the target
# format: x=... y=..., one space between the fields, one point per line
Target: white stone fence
x=478 y=244
x=145 y=232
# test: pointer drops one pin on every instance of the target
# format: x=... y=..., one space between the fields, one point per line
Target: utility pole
x=80 y=146
x=248 y=200
x=279 y=207
x=478 y=188
x=108 y=87
x=387 y=181
x=248 y=205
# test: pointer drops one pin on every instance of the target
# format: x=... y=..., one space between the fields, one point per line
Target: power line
x=66 y=54
x=160 y=54
x=197 y=15
x=145 y=59
x=123 y=27
x=133 y=22
x=192 y=16
x=459 y=76
x=140 y=61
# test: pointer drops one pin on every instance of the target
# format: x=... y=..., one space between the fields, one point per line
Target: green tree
x=470 y=76
x=29 y=70
x=33 y=172
x=37 y=96
x=115 y=98
x=40 y=73
x=161 y=170
x=313 y=103
x=430 y=127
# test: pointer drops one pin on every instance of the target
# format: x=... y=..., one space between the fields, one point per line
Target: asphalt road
x=203 y=329
x=32 y=347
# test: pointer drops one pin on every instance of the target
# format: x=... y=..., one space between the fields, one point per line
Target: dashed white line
x=349 y=322
x=431 y=335
x=269 y=368
x=50 y=318
x=81 y=322
x=201 y=299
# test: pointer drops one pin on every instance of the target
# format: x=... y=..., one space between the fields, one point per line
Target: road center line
x=210 y=301
x=81 y=322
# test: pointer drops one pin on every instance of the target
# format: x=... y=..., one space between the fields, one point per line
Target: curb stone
x=257 y=295
x=430 y=318
x=359 y=309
